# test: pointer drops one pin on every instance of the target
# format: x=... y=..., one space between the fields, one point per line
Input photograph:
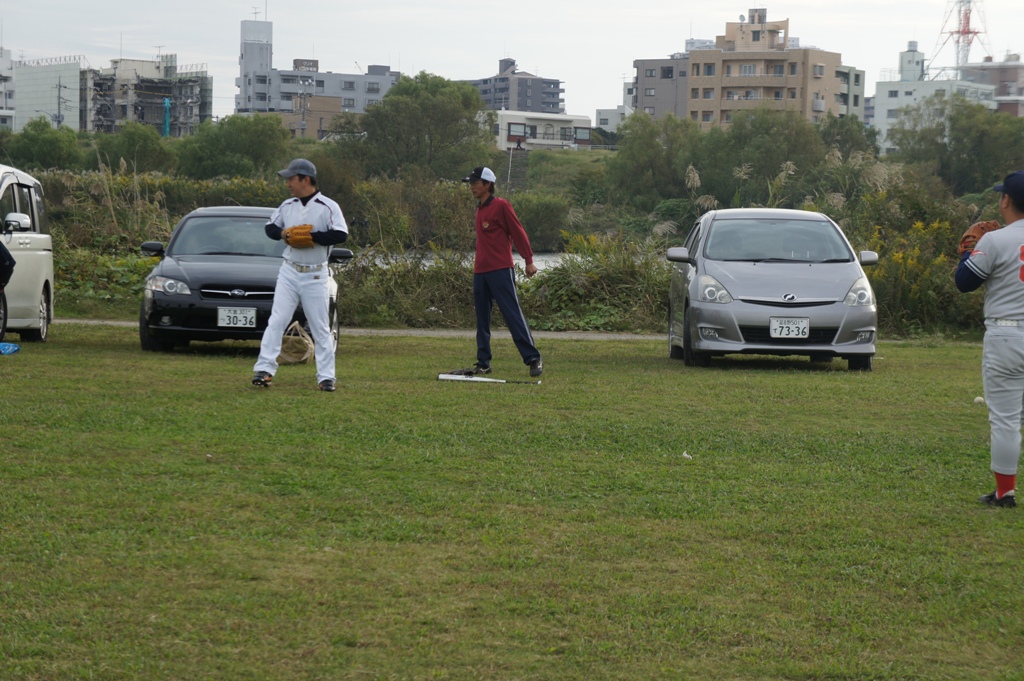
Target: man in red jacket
x=497 y=228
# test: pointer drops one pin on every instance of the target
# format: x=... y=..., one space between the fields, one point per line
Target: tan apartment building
x=755 y=64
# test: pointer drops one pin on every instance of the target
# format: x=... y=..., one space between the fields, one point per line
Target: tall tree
x=40 y=146
x=652 y=161
x=849 y=135
x=138 y=144
x=238 y=145
x=425 y=121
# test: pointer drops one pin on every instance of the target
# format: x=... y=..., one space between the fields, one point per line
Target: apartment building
x=610 y=119
x=754 y=64
x=530 y=130
x=264 y=89
x=516 y=90
x=911 y=85
x=1007 y=77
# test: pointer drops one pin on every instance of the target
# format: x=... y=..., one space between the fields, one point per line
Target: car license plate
x=788 y=327
x=236 y=316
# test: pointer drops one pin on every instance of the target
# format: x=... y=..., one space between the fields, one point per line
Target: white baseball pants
x=1002 y=371
x=310 y=289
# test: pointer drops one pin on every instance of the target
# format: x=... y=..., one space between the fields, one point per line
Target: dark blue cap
x=1013 y=186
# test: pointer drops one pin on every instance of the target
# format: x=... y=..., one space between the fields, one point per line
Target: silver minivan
x=26 y=305
x=770 y=282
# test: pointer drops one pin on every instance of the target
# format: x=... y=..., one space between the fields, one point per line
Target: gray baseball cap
x=299 y=166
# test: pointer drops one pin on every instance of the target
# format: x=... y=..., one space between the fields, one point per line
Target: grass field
x=630 y=518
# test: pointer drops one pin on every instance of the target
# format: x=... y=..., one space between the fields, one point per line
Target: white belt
x=305 y=268
x=1006 y=322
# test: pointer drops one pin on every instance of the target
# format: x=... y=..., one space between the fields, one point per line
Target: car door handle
x=24 y=242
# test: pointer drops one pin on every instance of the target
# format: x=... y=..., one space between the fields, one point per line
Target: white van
x=26 y=305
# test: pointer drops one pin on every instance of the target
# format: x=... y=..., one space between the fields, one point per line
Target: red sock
x=1004 y=484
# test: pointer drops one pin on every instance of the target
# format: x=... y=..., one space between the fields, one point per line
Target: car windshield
x=224 y=235
x=776 y=240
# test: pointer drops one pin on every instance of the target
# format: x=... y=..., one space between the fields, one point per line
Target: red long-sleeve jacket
x=497 y=228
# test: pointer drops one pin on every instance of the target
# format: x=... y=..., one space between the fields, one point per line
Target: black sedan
x=215 y=280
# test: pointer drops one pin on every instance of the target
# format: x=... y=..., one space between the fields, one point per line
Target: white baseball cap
x=480 y=173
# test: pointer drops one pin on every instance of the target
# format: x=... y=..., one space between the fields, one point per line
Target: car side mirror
x=868 y=258
x=339 y=256
x=679 y=254
x=17 y=222
x=152 y=248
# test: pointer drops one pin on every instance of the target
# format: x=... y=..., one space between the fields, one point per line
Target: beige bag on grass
x=296 y=345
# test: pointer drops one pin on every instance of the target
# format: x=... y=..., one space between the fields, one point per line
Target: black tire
x=674 y=351
x=149 y=342
x=859 y=363
x=692 y=358
x=3 y=315
x=41 y=334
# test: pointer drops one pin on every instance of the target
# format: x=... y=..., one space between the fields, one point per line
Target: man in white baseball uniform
x=997 y=260
x=304 y=274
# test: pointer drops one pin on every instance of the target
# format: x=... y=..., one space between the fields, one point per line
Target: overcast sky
x=588 y=45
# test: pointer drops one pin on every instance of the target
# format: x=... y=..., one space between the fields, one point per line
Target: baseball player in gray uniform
x=997 y=260
x=310 y=223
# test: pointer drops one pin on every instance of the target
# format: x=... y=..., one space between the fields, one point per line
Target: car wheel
x=821 y=358
x=43 y=332
x=859 y=363
x=674 y=351
x=691 y=358
x=149 y=342
x=3 y=315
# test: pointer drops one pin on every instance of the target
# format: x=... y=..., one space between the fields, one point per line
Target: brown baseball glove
x=299 y=236
x=970 y=238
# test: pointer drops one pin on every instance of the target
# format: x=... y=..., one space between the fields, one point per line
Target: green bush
x=544 y=216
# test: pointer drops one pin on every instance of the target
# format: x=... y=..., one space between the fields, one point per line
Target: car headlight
x=711 y=290
x=860 y=294
x=171 y=287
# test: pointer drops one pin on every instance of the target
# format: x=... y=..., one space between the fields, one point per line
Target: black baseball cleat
x=262 y=379
x=536 y=367
x=1008 y=500
x=327 y=385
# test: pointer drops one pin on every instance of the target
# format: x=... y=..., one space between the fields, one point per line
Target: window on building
x=666 y=71
x=749 y=94
x=582 y=133
x=348 y=101
x=728 y=70
x=892 y=113
x=730 y=94
x=792 y=93
x=261 y=96
x=371 y=102
x=748 y=69
x=649 y=110
x=348 y=85
x=648 y=92
x=778 y=70
x=693 y=115
x=261 y=80
x=517 y=129
x=289 y=80
x=819 y=70
x=682 y=73
x=373 y=87
x=709 y=93
x=856 y=100
x=792 y=68
x=755 y=36
x=648 y=73
x=856 y=79
x=778 y=94
x=709 y=69
x=286 y=98
x=529 y=102
x=908 y=93
x=727 y=116
x=705 y=116
x=602 y=121
x=893 y=94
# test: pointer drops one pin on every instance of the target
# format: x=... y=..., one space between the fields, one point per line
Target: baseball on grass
x=979 y=400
